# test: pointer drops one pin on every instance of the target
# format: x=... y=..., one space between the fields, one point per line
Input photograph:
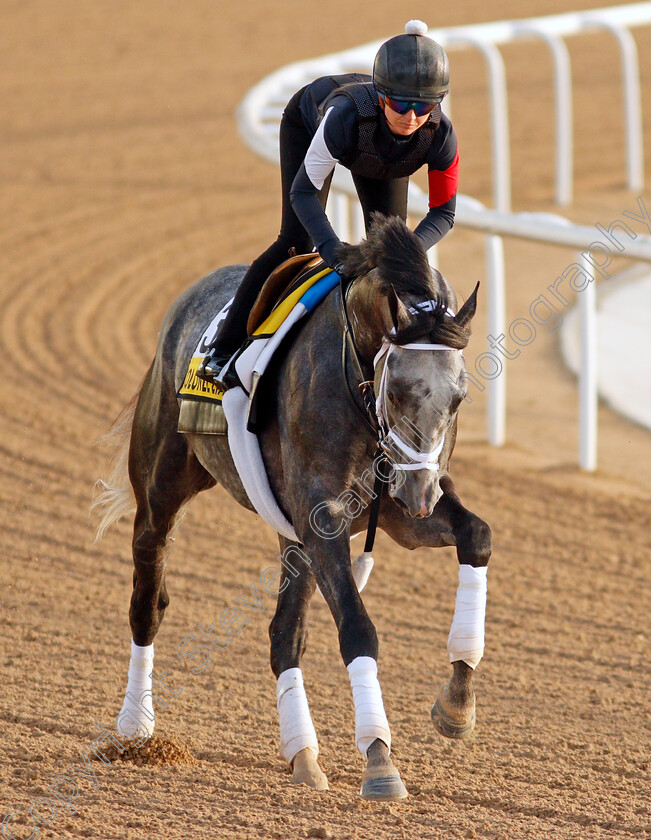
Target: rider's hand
x=330 y=254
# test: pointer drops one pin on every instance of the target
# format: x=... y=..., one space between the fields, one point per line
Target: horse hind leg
x=164 y=481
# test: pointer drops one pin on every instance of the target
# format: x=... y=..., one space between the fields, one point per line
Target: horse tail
x=115 y=498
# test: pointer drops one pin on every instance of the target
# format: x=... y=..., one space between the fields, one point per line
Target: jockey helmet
x=412 y=66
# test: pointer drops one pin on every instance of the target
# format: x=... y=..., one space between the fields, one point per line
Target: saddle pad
x=193 y=388
x=202 y=418
x=250 y=364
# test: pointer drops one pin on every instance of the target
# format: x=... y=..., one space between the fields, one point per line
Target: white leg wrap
x=296 y=727
x=136 y=719
x=361 y=568
x=466 y=639
x=370 y=720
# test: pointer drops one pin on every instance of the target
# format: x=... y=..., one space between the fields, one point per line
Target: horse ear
x=465 y=314
x=397 y=309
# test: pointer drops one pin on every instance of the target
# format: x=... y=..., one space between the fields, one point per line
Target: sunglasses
x=402 y=106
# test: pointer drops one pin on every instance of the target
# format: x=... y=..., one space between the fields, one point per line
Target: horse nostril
x=401 y=504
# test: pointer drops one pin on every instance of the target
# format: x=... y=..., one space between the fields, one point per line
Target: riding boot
x=222 y=351
x=232 y=331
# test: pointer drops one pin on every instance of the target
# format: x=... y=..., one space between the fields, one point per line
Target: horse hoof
x=307 y=771
x=384 y=788
x=381 y=781
x=453 y=721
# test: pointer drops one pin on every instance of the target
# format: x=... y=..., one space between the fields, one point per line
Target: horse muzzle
x=418 y=494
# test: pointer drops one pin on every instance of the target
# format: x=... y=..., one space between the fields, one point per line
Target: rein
x=368 y=412
x=365 y=384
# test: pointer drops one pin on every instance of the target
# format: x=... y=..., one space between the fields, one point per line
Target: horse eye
x=392 y=397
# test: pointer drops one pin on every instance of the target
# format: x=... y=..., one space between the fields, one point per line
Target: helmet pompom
x=415 y=27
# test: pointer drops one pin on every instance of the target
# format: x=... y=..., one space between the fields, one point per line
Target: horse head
x=405 y=327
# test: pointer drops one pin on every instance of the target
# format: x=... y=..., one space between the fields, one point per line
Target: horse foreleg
x=450 y=523
x=288 y=636
x=164 y=479
x=358 y=644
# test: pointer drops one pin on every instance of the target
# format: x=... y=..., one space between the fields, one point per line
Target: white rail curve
x=259 y=118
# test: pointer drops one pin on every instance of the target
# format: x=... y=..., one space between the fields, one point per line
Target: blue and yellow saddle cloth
x=254 y=358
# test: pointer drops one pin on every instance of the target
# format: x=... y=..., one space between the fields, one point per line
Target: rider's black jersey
x=349 y=127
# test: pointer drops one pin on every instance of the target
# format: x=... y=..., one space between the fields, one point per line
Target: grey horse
x=317 y=438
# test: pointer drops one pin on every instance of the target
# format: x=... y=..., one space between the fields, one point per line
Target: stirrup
x=212 y=366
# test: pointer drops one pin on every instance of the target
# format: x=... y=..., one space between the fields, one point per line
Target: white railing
x=259 y=118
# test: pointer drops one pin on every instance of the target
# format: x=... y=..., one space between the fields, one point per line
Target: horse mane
x=400 y=261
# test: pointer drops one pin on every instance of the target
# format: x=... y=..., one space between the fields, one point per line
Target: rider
x=382 y=129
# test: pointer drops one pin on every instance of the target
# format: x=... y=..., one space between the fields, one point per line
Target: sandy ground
x=123 y=180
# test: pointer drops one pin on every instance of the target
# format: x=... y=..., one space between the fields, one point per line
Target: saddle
x=281 y=282
x=291 y=292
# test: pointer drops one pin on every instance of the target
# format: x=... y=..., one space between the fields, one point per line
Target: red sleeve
x=443 y=183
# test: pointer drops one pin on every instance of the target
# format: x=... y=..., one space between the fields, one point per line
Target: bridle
x=374 y=400
x=373 y=410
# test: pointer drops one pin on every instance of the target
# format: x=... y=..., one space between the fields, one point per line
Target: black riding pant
x=387 y=196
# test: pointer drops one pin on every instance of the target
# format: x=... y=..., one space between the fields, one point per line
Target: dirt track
x=123 y=180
